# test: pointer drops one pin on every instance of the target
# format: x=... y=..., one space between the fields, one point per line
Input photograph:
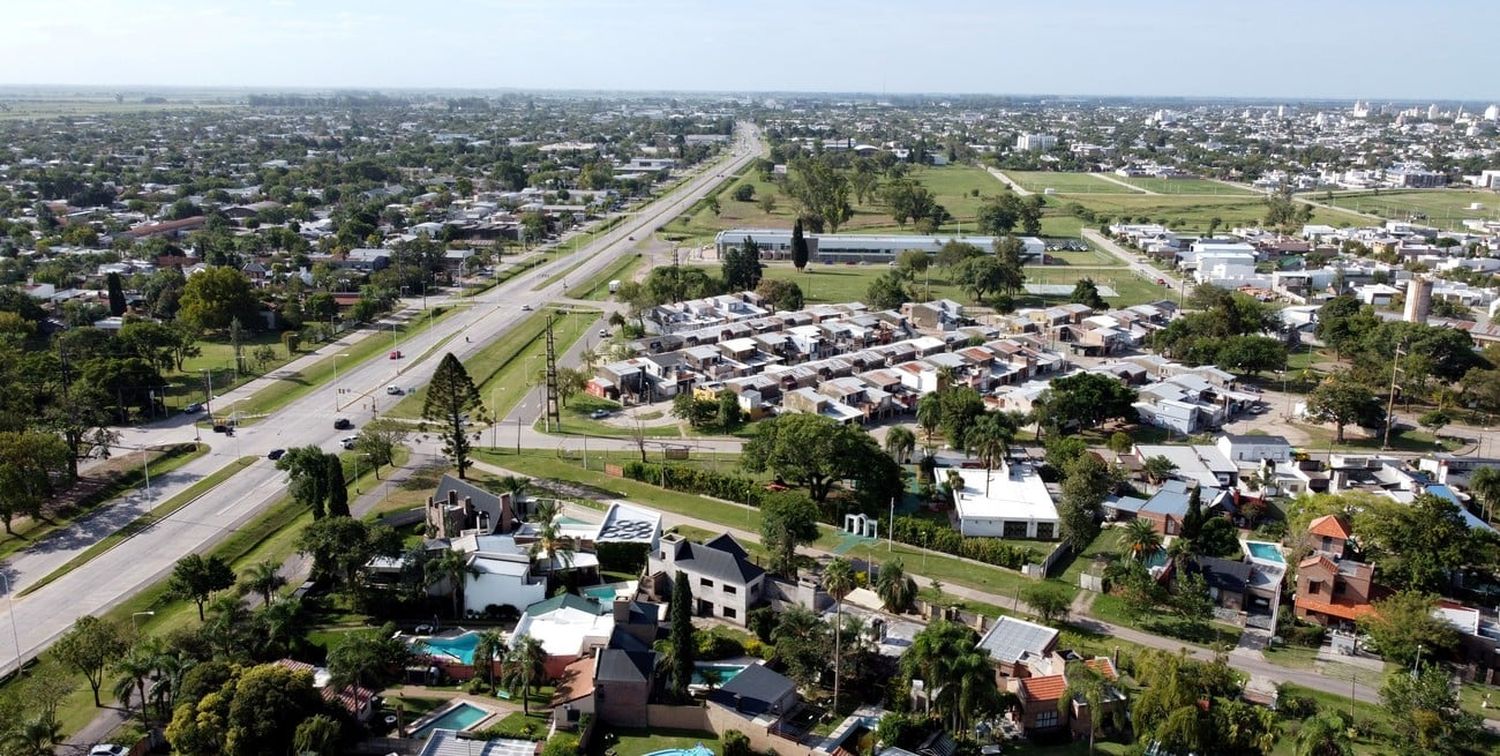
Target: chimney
x=507 y=514
x=452 y=497
x=622 y=611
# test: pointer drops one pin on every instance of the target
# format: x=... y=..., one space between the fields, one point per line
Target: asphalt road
x=106 y=580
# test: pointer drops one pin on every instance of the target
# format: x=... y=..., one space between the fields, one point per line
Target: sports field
x=1188 y=212
x=1443 y=208
x=1184 y=186
x=1065 y=183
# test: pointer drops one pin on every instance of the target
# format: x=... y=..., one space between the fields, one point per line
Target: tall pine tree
x=680 y=635
x=741 y=266
x=338 y=490
x=1192 y=522
x=116 y=295
x=799 y=247
x=450 y=396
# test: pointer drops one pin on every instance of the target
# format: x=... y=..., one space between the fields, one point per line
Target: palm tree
x=711 y=677
x=134 y=668
x=1141 y=539
x=262 y=578
x=896 y=589
x=169 y=669
x=945 y=375
x=227 y=628
x=550 y=542
x=838 y=581
x=283 y=626
x=988 y=439
x=524 y=668
x=490 y=647
x=900 y=442
x=37 y=737
x=1158 y=468
x=454 y=567
x=957 y=674
x=1089 y=687
x=318 y=734
x=1485 y=485
x=930 y=415
x=1325 y=735
x=516 y=486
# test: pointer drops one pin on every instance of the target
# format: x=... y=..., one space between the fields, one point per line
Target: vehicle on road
x=342 y=423
x=394 y=390
x=221 y=428
x=396 y=355
x=603 y=333
x=525 y=308
x=599 y=414
x=108 y=749
x=1161 y=282
x=192 y=409
x=348 y=441
x=275 y=454
x=631 y=238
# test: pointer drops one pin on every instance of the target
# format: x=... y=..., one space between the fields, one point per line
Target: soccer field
x=1443 y=208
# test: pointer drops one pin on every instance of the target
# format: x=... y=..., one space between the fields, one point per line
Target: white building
x=1035 y=142
x=1009 y=502
x=503 y=574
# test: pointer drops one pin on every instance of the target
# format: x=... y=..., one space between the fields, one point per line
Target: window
x=705 y=582
x=730 y=589
x=1338 y=587
x=1327 y=543
x=729 y=613
x=1046 y=718
x=1014 y=528
x=1312 y=587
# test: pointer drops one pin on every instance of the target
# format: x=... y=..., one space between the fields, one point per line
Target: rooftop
x=1009 y=639
x=1013 y=491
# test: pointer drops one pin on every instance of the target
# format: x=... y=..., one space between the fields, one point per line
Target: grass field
x=1444 y=208
x=1182 y=186
x=597 y=287
x=1065 y=183
x=1189 y=212
x=505 y=369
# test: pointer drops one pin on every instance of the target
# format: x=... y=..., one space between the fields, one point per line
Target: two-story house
x=1333 y=592
x=723 y=580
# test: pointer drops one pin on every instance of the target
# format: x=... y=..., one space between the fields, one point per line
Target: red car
x=395 y=355
x=1161 y=282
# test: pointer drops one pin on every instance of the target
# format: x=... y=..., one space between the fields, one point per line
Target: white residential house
x=724 y=582
x=1010 y=501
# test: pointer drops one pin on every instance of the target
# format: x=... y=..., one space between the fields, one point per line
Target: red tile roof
x=1047 y=688
x=1103 y=665
x=1319 y=561
x=1348 y=611
x=1332 y=526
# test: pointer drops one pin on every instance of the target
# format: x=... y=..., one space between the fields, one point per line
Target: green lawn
x=576 y=421
x=597 y=287
x=187 y=385
x=1444 y=208
x=632 y=742
x=1066 y=183
x=1321 y=439
x=1214 y=634
x=1183 y=186
x=504 y=370
x=1187 y=212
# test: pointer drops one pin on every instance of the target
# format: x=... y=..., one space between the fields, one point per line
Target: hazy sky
x=1421 y=49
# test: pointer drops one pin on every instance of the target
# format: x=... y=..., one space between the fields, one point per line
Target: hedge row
x=916 y=531
x=694 y=480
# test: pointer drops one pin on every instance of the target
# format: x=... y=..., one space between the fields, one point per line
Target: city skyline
x=1336 y=50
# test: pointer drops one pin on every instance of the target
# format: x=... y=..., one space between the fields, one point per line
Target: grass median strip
x=597 y=288
x=172 y=457
x=139 y=524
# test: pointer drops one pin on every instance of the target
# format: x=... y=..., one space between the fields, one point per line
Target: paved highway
x=106 y=580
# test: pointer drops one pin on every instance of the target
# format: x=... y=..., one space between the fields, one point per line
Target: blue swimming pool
x=697 y=750
x=459 y=648
x=1266 y=552
x=725 y=672
x=459 y=717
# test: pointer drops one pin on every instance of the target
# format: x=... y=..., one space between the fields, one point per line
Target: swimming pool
x=457 y=718
x=459 y=648
x=697 y=750
x=1266 y=552
x=726 y=672
x=606 y=593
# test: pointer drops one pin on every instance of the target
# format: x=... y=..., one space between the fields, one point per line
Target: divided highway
x=137 y=562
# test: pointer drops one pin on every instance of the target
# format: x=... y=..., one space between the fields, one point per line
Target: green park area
x=1066 y=183
x=1182 y=185
x=596 y=288
x=1180 y=212
x=1443 y=208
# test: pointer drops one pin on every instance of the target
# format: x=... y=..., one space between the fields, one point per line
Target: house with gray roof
x=1013 y=644
x=723 y=580
x=757 y=690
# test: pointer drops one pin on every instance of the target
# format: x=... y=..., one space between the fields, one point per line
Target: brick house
x=1333 y=592
x=1329 y=536
x=1039 y=697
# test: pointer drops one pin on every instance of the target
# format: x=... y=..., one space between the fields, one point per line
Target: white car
x=107 y=749
x=348 y=441
x=394 y=390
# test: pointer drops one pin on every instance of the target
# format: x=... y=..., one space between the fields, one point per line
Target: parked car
x=1161 y=282
x=599 y=414
x=394 y=390
x=276 y=454
x=396 y=355
x=192 y=409
x=342 y=423
x=108 y=749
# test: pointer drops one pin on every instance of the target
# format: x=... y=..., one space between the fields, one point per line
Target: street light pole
x=336 y=379
x=14 y=633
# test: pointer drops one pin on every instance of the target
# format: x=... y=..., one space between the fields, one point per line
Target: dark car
x=342 y=423
x=275 y=454
x=221 y=428
x=192 y=409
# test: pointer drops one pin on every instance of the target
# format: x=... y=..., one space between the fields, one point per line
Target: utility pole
x=553 y=411
x=1390 y=405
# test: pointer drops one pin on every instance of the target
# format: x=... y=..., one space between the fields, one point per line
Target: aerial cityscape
x=567 y=378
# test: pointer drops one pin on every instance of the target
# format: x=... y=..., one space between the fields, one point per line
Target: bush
x=1298 y=633
x=622 y=557
x=561 y=744
x=476 y=686
x=916 y=531
x=735 y=742
x=693 y=480
x=744 y=192
x=762 y=622
x=1295 y=705
x=716 y=644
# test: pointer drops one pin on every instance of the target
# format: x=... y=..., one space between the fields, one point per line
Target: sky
x=1372 y=49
